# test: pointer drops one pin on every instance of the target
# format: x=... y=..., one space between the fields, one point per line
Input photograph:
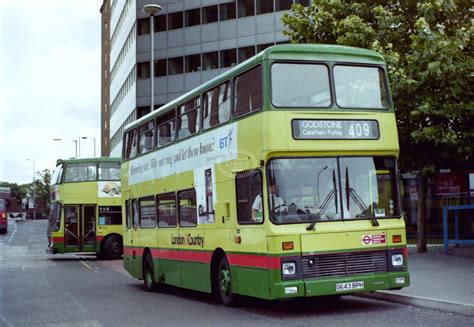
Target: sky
x=49 y=83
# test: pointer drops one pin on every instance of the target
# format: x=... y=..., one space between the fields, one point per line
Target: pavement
x=438 y=281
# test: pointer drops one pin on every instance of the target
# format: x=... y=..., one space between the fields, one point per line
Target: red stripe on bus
x=182 y=255
x=99 y=238
x=127 y=250
x=253 y=260
x=245 y=260
x=56 y=239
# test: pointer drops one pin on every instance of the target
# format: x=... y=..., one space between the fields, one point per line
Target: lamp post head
x=151 y=9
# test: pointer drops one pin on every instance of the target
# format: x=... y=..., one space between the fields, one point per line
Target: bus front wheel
x=113 y=247
x=224 y=284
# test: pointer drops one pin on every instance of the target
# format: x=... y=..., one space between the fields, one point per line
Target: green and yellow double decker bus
x=276 y=179
x=86 y=208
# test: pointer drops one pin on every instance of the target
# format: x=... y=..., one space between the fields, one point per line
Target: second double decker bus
x=86 y=213
x=276 y=179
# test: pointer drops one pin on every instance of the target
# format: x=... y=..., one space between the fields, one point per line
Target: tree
x=42 y=188
x=428 y=49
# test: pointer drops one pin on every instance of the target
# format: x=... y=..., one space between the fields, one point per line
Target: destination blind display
x=324 y=129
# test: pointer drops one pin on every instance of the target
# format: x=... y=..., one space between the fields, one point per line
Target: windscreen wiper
x=327 y=200
x=352 y=194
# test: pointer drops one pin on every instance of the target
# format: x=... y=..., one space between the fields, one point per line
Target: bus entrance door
x=79 y=228
x=71 y=228
x=88 y=228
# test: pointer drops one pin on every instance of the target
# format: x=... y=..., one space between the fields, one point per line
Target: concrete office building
x=194 y=41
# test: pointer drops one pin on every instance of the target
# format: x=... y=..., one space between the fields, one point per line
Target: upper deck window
x=109 y=171
x=360 y=87
x=146 y=137
x=80 y=172
x=188 y=118
x=300 y=85
x=248 y=92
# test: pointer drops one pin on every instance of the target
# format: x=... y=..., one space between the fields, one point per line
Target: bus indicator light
x=238 y=239
x=287 y=246
x=397 y=238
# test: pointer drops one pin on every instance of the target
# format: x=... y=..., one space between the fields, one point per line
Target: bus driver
x=276 y=203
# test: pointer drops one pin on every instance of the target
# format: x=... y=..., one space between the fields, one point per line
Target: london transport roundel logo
x=366 y=239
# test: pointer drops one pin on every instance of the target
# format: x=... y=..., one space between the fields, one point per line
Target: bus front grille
x=344 y=264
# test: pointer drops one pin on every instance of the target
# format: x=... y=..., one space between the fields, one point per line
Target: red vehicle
x=3 y=217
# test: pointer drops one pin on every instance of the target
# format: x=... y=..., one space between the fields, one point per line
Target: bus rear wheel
x=113 y=247
x=224 y=284
x=148 y=274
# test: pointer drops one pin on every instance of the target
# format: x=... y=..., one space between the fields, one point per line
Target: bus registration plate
x=341 y=287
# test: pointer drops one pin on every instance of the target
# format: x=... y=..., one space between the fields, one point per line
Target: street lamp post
x=68 y=140
x=34 y=188
x=88 y=138
x=152 y=10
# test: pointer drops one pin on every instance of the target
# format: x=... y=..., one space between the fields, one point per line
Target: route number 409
x=358 y=130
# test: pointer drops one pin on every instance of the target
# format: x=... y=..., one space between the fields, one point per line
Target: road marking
x=13 y=234
x=86 y=265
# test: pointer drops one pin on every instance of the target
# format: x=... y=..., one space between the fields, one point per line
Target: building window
x=192 y=17
x=146 y=137
x=143 y=26
x=175 y=66
x=160 y=67
x=283 y=5
x=187 y=208
x=304 y=3
x=245 y=8
x=246 y=53
x=248 y=92
x=166 y=204
x=210 y=60
x=160 y=23
x=166 y=128
x=264 y=6
x=249 y=192
x=216 y=106
x=228 y=58
x=192 y=63
x=142 y=111
x=188 y=118
x=147 y=212
x=227 y=11
x=143 y=69
x=261 y=47
x=175 y=20
x=209 y=14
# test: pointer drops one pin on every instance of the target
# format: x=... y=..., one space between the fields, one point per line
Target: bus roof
x=87 y=160
x=288 y=51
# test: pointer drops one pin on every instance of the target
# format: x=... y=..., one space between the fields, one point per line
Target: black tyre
x=113 y=248
x=148 y=274
x=224 y=284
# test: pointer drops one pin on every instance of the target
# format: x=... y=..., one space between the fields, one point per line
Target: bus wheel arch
x=111 y=246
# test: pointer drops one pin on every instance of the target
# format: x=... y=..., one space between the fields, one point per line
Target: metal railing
x=456 y=240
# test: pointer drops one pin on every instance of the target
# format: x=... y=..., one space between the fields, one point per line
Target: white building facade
x=194 y=41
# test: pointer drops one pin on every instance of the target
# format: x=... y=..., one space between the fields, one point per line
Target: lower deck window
x=110 y=215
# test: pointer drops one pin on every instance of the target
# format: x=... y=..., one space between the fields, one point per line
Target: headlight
x=397 y=260
x=288 y=268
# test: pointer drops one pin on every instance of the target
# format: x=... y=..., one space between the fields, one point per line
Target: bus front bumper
x=340 y=285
